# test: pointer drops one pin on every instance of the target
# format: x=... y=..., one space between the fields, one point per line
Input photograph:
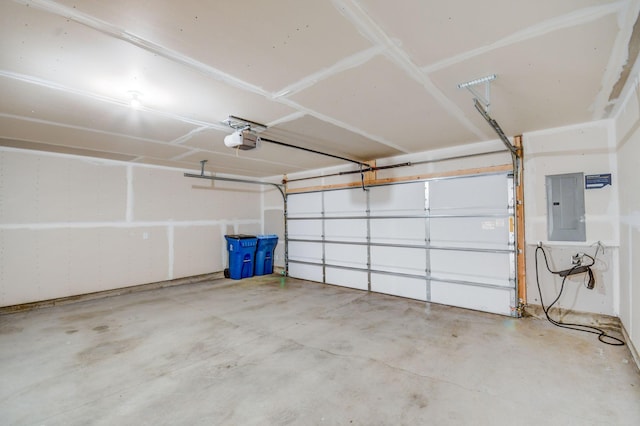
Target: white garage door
x=447 y=241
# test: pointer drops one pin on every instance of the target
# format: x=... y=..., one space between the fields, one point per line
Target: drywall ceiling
x=363 y=79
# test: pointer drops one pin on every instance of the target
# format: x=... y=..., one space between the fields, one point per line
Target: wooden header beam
x=375 y=181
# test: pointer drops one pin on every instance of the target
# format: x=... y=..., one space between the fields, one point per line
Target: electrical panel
x=565 y=207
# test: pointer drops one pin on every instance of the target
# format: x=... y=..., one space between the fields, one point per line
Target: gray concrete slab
x=268 y=351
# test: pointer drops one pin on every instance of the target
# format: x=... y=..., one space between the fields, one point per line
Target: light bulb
x=135 y=102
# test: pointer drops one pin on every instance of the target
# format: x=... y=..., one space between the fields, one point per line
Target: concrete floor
x=262 y=351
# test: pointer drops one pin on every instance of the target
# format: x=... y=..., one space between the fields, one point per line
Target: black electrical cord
x=602 y=335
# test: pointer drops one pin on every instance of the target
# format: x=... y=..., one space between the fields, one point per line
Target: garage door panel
x=305 y=272
x=347 y=278
x=305 y=252
x=350 y=202
x=483 y=268
x=400 y=260
x=346 y=230
x=480 y=232
x=478 y=193
x=485 y=299
x=397 y=199
x=304 y=204
x=457 y=233
x=411 y=288
x=346 y=255
x=305 y=229
x=398 y=231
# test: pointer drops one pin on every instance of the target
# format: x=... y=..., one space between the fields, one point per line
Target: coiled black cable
x=602 y=335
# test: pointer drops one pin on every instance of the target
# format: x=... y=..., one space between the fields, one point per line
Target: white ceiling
x=363 y=79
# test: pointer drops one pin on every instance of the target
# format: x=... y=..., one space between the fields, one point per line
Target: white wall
x=72 y=225
x=587 y=148
x=628 y=155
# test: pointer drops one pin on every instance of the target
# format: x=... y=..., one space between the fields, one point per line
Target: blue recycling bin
x=264 y=254
x=242 y=249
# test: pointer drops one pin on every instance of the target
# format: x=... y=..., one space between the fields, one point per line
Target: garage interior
x=448 y=182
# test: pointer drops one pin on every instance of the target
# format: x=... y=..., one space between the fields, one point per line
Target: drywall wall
x=628 y=156
x=72 y=225
x=587 y=148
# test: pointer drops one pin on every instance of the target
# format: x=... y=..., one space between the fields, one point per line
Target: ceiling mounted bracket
x=202 y=163
x=486 y=99
x=240 y=124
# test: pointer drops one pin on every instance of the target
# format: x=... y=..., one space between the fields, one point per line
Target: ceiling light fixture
x=135 y=102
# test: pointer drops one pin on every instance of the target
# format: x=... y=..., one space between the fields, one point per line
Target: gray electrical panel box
x=565 y=207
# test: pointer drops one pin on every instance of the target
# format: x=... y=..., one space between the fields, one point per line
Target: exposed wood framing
x=520 y=243
x=464 y=172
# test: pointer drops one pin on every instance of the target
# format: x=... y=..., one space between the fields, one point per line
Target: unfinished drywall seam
x=190 y=150
x=632 y=58
x=223 y=252
x=633 y=89
x=632 y=330
x=187 y=154
x=344 y=64
x=122 y=102
x=627 y=19
x=114 y=31
x=617 y=290
x=74 y=127
x=182 y=139
x=286 y=119
x=107 y=161
x=623 y=139
x=615 y=214
x=130 y=195
x=122 y=224
x=335 y=122
x=372 y=31
x=579 y=17
x=170 y=241
x=262 y=219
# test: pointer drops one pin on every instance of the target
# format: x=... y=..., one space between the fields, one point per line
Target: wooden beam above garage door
x=425 y=176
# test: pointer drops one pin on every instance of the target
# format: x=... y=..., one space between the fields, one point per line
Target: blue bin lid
x=239 y=237
x=267 y=237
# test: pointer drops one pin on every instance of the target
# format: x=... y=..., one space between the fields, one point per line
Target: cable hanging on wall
x=603 y=336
